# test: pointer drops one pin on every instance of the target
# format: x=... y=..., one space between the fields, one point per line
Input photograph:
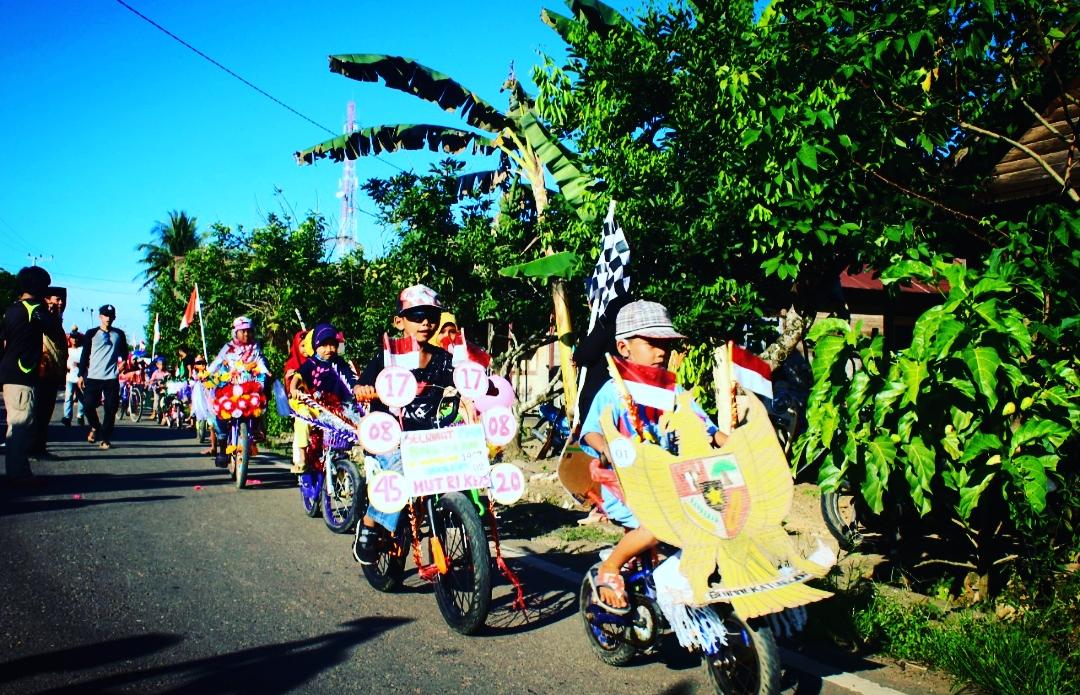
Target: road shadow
x=19 y=505
x=529 y=520
x=87 y=656
x=268 y=668
x=99 y=483
x=547 y=600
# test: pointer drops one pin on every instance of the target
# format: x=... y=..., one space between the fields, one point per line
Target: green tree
x=174 y=240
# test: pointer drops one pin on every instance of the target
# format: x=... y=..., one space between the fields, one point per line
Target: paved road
x=142 y=569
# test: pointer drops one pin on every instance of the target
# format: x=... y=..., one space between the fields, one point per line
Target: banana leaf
x=391 y=138
x=406 y=75
x=563 y=265
x=480 y=181
x=599 y=17
x=560 y=163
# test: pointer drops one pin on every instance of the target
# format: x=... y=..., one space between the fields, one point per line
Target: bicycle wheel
x=341 y=498
x=750 y=662
x=608 y=640
x=463 y=591
x=388 y=570
x=241 y=454
x=135 y=405
x=841 y=517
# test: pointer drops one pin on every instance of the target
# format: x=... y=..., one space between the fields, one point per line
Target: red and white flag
x=157 y=330
x=752 y=372
x=652 y=387
x=464 y=351
x=192 y=307
x=401 y=352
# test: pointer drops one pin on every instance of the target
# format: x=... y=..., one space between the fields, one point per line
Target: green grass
x=591 y=533
x=1033 y=654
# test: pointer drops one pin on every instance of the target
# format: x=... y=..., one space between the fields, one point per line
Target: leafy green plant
x=965 y=418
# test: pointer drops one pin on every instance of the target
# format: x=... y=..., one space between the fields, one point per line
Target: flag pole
x=202 y=323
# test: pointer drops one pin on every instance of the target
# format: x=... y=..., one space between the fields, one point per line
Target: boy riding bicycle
x=418 y=313
x=645 y=337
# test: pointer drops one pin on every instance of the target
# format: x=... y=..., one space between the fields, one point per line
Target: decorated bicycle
x=331 y=482
x=236 y=380
x=444 y=494
x=734 y=576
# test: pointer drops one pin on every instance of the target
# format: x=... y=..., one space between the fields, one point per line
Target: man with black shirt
x=99 y=375
x=22 y=330
x=53 y=374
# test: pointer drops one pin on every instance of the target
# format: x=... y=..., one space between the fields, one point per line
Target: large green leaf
x=922 y=335
x=979 y=444
x=970 y=494
x=983 y=364
x=919 y=472
x=406 y=75
x=883 y=401
x=565 y=265
x=826 y=350
x=559 y=161
x=1038 y=429
x=880 y=454
x=1032 y=471
x=945 y=335
x=599 y=18
x=912 y=373
x=391 y=138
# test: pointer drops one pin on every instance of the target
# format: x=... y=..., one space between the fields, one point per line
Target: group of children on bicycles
x=641 y=333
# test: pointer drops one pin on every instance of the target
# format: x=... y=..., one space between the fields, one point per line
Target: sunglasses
x=419 y=315
x=200 y=364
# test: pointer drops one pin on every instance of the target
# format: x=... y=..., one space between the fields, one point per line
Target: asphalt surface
x=142 y=569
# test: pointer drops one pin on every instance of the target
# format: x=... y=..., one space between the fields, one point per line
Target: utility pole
x=34 y=258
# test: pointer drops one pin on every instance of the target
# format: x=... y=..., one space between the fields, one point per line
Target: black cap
x=108 y=310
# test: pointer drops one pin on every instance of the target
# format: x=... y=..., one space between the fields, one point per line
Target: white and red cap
x=417 y=296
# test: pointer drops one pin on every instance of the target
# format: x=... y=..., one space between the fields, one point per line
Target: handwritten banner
x=445 y=460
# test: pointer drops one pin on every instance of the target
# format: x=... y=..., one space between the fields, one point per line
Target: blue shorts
x=388 y=462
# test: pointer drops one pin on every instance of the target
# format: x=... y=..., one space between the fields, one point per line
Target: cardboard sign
x=445 y=460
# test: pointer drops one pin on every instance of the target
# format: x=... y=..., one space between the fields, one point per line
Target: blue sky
x=108 y=124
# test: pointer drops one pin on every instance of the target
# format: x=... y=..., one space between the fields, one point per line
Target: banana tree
x=527 y=149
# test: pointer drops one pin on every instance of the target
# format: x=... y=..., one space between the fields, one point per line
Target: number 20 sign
x=507 y=483
x=396 y=386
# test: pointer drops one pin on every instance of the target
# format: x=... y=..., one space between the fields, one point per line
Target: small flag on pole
x=157 y=329
x=401 y=352
x=752 y=372
x=609 y=278
x=192 y=307
x=463 y=351
x=652 y=387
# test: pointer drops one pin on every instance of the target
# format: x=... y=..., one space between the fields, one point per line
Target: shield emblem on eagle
x=713 y=493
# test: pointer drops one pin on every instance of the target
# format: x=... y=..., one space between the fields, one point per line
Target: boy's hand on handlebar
x=364 y=393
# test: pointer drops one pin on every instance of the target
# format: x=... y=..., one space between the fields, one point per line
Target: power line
x=179 y=40
x=266 y=94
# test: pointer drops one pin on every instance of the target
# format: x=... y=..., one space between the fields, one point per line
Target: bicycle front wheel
x=463 y=586
x=135 y=405
x=341 y=497
x=241 y=454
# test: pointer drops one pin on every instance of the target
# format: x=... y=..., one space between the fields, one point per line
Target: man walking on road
x=22 y=331
x=99 y=374
x=53 y=373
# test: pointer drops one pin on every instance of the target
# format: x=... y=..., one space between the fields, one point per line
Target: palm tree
x=176 y=238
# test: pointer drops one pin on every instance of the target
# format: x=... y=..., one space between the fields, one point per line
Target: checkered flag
x=609 y=278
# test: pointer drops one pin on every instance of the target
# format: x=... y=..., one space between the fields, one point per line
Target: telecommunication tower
x=345 y=241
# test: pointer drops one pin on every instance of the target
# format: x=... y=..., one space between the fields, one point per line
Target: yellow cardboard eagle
x=723 y=507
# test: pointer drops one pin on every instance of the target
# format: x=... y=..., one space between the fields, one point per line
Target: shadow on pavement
x=271 y=668
x=533 y=519
x=25 y=506
x=87 y=656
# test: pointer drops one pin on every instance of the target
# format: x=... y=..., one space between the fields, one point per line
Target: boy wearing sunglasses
x=418 y=313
